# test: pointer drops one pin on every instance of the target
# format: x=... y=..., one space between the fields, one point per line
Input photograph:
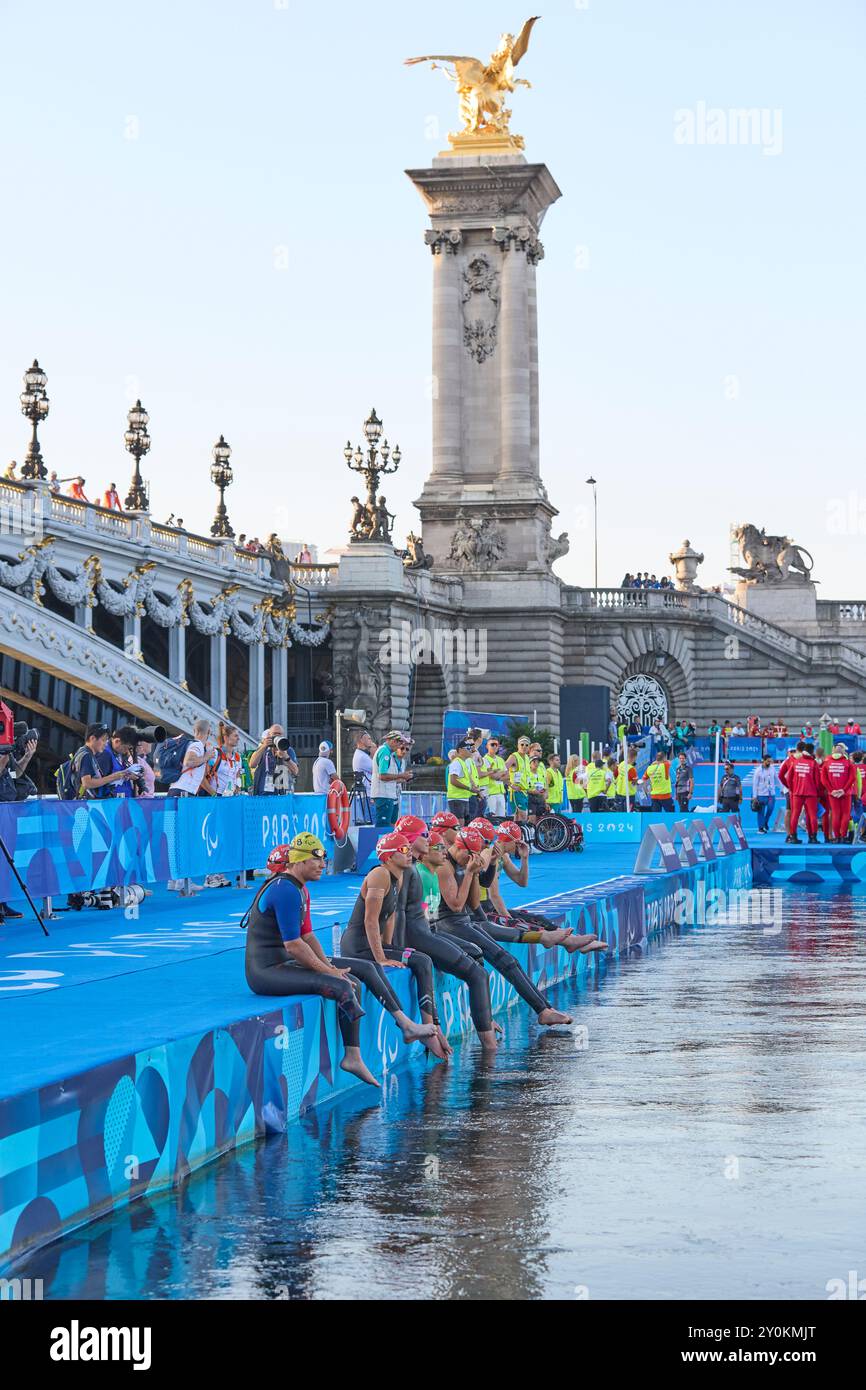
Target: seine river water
x=703 y=1137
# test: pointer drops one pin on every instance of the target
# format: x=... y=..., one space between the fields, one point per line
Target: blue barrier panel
x=779 y=748
x=72 y=846
x=705 y=749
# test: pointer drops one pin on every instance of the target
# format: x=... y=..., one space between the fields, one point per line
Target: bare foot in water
x=446 y=1046
x=436 y=1047
x=498 y=1029
x=584 y=944
x=353 y=1063
x=488 y=1041
x=594 y=946
x=551 y=1016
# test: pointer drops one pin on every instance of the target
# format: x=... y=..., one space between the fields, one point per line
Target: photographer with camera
x=17 y=749
x=118 y=757
x=274 y=764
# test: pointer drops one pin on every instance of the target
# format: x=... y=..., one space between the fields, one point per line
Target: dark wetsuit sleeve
x=284 y=900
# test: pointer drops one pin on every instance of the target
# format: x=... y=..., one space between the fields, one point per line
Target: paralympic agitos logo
x=211 y=841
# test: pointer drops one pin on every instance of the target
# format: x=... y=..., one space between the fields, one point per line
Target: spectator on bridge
x=241 y=542
x=273 y=769
x=304 y=555
x=730 y=790
x=77 y=489
x=12 y=475
x=53 y=483
x=324 y=771
x=111 y=500
x=764 y=790
x=852 y=727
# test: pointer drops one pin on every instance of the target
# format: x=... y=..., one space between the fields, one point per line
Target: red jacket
x=785 y=769
x=804 y=776
x=838 y=775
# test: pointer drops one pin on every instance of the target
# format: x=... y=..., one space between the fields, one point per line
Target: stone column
x=534 y=440
x=256 y=721
x=514 y=357
x=218 y=674
x=279 y=685
x=177 y=654
x=447 y=346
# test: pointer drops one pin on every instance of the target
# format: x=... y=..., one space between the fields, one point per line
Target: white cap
x=324 y=748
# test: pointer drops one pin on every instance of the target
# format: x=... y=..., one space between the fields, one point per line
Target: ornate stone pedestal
x=782 y=604
x=484 y=505
x=371 y=566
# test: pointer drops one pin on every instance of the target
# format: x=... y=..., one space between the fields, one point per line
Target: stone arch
x=669 y=674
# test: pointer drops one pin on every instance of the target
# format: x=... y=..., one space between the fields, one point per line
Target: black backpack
x=168 y=758
x=67 y=778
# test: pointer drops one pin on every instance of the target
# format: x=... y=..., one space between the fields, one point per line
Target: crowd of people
x=647 y=581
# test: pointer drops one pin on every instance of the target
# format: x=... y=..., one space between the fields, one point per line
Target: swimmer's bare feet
x=415 y=1032
x=488 y=1040
x=353 y=1063
x=594 y=946
x=555 y=937
x=579 y=943
x=549 y=1017
x=446 y=1046
x=436 y=1047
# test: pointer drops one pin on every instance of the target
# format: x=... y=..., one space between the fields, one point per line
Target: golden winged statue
x=482 y=88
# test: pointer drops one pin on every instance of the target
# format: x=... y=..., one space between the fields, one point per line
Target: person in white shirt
x=198 y=755
x=362 y=759
x=324 y=771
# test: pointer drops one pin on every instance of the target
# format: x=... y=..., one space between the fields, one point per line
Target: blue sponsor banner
x=779 y=748
x=705 y=749
x=745 y=750
x=269 y=821
x=456 y=721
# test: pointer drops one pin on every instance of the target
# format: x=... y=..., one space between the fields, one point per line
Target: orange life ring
x=339 y=818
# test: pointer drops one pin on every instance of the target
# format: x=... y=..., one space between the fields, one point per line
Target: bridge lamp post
x=34 y=404
x=221 y=477
x=592 y=483
x=137 y=443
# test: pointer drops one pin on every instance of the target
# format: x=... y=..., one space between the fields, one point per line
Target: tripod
x=11 y=862
x=360 y=808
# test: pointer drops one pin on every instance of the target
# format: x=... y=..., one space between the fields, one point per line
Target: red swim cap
x=484 y=828
x=471 y=840
x=411 y=827
x=392 y=843
x=444 y=820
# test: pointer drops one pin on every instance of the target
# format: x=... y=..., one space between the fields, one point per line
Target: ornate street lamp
x=221 y=477
x=137 y=441
x=594 y=485
x=371 y=521
x=34 y=404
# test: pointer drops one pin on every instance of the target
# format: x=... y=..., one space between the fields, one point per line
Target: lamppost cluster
x=35 y=405
x=371 y=520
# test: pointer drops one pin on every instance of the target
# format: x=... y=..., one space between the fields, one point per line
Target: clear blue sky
x=151 y=264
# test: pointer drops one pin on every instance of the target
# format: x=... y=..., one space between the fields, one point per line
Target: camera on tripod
x=15 y=734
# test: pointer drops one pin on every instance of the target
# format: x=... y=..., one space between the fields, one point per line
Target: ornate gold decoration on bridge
x=482 y=89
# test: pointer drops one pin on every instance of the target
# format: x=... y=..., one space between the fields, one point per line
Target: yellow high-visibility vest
x=622 y=780
x=576 y=789
x=493 y=763
x=519 y=771
x=459 y=769
x=596 y=782
x=555 y=782
x=660 y=779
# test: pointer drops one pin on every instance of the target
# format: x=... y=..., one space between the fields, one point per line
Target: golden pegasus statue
x=482 y=88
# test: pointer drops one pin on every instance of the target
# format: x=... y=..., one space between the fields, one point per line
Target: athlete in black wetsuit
x=283 y=956
x=456 y=877
x=516 y=924
x=416 y=926
x=370 y=934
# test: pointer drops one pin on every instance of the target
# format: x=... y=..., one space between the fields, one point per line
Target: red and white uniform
x=802 y=782
x=838 y=775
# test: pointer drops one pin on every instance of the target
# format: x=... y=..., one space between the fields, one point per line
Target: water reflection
x=707 y=1143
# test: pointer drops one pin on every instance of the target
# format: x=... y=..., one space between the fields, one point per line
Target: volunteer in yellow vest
x=555 y=783
x=495 y=778
x=460 y=783
x=575 y=784
x=473 y=763
x=536 y=786
x=658 y=774
x=598 y=778
x=626 y=776
x=518 y=775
